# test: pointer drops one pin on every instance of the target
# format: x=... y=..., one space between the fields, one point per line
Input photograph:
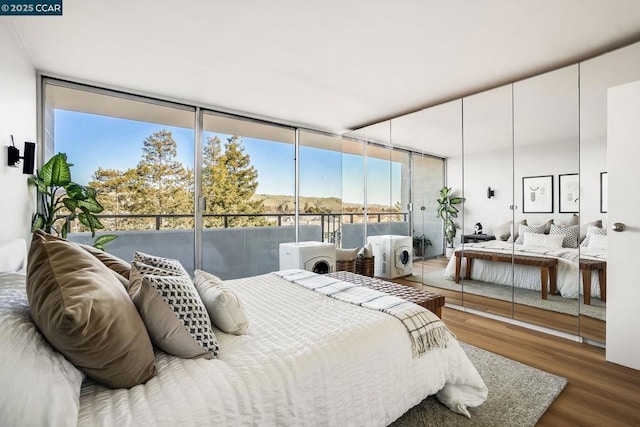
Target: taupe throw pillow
x=114 y=263
x=84 y=312
x=175 y=317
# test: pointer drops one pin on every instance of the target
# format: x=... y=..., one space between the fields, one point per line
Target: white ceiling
x=333 y=65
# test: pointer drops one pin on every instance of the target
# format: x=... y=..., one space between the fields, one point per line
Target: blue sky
x=93 y=141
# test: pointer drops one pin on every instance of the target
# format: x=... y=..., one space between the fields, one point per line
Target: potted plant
x=420 y=243
x=447 y=211
x=63 y=200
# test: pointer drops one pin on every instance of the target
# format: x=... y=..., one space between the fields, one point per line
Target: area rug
x=518 y=395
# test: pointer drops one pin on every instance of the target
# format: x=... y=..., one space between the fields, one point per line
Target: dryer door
x=403 y=258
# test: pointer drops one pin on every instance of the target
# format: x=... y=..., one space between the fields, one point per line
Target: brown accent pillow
x=80 y=307
x=114 y=263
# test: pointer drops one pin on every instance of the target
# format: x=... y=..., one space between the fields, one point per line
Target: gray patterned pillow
x=538 y=229
x=172 y=310
x=593 y=230
x=570 y=234
x=166 y=264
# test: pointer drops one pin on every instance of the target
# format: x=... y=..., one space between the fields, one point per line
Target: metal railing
x=329 y=222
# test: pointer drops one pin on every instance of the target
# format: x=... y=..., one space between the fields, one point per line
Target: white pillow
x=225 y=310
x=584 y=228
x=539 y=229
x=593 y=230
x=202 y=280
x=543 y=240
x=39 y=386
x=598 y=241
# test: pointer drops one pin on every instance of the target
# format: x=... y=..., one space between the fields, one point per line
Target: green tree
x=158 y=185
x=161 y=183
x=229 y=183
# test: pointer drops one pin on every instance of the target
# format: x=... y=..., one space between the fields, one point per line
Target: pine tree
x=229 y=183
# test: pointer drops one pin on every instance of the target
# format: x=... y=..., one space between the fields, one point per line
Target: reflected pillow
x=543 y=240
x=502 y=231
x=515 y=230
x=598 y=241
x=593 y=231
x=538 y=229
x=584 y=228
x=570 y=235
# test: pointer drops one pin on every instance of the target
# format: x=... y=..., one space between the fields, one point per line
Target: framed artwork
x=537 y=194
x=604 y=193
x=569 y=193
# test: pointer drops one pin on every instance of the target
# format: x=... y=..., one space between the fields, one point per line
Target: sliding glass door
x=247 y=194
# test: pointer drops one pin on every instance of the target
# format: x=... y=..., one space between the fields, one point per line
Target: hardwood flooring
x=598 y=393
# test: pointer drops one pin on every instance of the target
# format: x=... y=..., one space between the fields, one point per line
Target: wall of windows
x=217 y=191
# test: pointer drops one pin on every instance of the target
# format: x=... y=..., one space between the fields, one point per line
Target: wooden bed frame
x=548 y=266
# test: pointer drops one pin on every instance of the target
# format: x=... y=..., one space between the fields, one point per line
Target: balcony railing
x=329 y=222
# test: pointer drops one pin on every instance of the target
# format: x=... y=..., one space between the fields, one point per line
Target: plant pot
x=449 y=252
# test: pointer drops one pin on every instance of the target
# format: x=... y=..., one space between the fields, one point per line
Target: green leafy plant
x=447 y=211
x=62 y=201
x=420 y=243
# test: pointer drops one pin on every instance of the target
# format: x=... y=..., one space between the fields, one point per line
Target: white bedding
x=569 y=281
x=307 y=360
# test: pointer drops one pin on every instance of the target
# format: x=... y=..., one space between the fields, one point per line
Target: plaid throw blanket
x=425 y=329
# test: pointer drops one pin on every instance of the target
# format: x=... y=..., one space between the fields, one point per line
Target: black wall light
x=490 y=193
x=28 y=158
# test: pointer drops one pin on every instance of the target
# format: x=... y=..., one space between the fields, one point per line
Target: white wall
x=17 y=117
x=495 y=169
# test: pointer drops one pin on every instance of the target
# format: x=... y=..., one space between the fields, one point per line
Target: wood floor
x=598 y=393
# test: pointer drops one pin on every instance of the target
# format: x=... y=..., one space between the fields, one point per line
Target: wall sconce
x=13 y=157
x=490 y=193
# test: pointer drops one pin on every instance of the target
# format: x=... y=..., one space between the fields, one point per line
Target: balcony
x=234 y=252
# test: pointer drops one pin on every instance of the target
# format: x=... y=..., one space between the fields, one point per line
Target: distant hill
x=281 y=203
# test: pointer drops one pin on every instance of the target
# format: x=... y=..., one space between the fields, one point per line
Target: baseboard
x=542 y=329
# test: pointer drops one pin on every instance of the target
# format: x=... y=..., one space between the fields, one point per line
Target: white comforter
x=569 y=281
x=307 y=360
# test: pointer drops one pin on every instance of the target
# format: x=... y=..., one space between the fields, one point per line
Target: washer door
x=321 y=267
x=403 y=258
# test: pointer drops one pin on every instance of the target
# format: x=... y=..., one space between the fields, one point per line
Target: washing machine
x=318 y=257
x=393 y=255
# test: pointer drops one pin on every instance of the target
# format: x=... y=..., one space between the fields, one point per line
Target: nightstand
x=475 y=238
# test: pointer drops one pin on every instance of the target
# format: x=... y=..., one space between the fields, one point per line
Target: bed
x=308 y=359
x=528 y=277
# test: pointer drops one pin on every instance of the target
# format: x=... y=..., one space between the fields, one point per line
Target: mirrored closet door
x=488 y=201
x=546 y=188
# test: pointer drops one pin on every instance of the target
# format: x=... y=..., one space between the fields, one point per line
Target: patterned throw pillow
x=166 y=264
x=570 y=234
x=593 y=230
x=539 y=229
x=172 y=311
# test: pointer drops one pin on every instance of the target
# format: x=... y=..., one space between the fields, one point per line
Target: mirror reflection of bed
x=549 y=128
